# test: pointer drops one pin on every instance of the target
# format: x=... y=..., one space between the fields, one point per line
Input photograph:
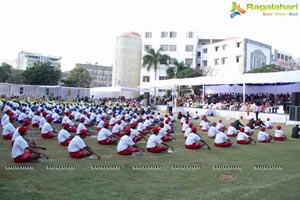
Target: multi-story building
x=233 y=56
x=27 y=60
x=178 y=44
x=284 y=60
x=218 y=56
x=101 y=75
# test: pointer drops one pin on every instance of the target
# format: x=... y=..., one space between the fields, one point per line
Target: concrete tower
x=127 y=60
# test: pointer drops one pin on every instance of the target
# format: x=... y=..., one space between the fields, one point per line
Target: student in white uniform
x=64 y=137
x=222 y=139
x=105 y=136
x=155 y=144
x=126 y=146
x=78 y=149
x=243 y=138
x=194 y=140
x=263 y=136
x=22 y=151
x=279 y=134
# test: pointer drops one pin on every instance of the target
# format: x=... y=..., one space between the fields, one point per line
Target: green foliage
x=42 y=74
x=16 y=77
x=5 y=72
x=183 y=71
x=78 y=77
x=267 y=68
x=152 y=58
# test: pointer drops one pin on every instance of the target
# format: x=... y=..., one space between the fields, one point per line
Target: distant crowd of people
x=268 y=102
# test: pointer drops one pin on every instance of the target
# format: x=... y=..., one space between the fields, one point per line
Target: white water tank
x=127 y=60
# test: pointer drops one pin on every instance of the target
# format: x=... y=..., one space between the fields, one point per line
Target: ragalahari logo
x=236 y=10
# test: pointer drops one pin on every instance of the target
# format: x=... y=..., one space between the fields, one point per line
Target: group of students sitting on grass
x=116 y=126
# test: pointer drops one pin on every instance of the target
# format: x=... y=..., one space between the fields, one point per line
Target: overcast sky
x=85 y=30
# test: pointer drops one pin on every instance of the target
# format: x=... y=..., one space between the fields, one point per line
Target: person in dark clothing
x=237 y=124
x=259 y=124
x=252 y=123
x=295 y=131
x=179 y=116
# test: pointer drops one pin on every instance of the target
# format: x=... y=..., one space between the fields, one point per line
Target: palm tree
x=178 y=67
x=152 y=58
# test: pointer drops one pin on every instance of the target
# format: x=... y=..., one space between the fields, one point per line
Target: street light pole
x=175 y=71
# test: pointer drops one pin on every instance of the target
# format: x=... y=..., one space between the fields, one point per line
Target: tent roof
x=253 y=78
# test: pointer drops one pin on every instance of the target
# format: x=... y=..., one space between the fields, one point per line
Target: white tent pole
x=203 y=92
x=244 y=97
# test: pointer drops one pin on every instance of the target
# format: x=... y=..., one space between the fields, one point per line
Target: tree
x=178 y=67
x=267 y=68
x=16 y=77
x=5 y=72
x=42 y=73
x=183 y=71
x=152 y=59
x=78 y=77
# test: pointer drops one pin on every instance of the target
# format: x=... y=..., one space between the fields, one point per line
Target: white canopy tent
x=113 y=92
x=275 y=82
x=253 y=78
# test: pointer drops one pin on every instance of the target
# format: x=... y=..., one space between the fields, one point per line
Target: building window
x=162 y=78
x=148 y=34
x=204 y=63
x=278 y=56
x=147 y=47
x=205 y=50
x=146 y=78
x=190 y=34
x=224 y=46
x=224 y=60
x=164 y=34
x=217 y=48
x=172 y=47
x=198 y=54
x=189 y=48
x=162 y=90
x=238 y=44
x=238 y=59
x=217 y=61
x=164 y=47
x=173 y=34
x=189 y=61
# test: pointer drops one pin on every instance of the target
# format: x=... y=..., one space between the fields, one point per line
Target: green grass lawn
x=222 y=173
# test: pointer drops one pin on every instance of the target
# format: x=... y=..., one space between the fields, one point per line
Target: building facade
x=234 y=56
x=178 y=44
x=101 y=75
x=27 y=60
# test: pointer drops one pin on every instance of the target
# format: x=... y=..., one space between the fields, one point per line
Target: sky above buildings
x=84 y=31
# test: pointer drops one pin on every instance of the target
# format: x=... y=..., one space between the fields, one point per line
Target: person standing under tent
x=170 y=106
